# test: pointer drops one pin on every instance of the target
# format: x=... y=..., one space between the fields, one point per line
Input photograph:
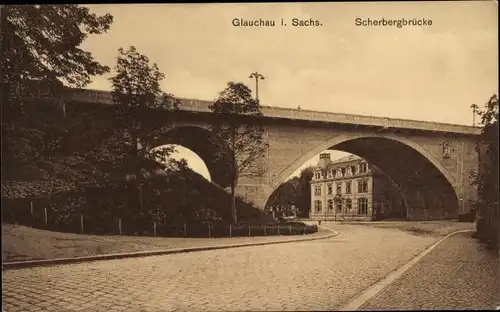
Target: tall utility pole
x=257 y=76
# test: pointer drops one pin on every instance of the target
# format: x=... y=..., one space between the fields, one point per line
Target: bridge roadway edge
x=74 y=260
x=202 y=106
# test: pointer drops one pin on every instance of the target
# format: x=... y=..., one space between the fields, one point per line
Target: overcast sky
x=429 y=73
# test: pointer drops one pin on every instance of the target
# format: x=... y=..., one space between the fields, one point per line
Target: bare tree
x=237 y=123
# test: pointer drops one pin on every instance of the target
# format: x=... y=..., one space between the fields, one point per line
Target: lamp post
x=326 y=199
x=257 y=76
x=474 y=111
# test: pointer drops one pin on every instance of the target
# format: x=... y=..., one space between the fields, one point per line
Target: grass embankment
x=22 y=243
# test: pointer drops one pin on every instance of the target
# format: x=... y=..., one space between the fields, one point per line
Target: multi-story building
x=350 y=188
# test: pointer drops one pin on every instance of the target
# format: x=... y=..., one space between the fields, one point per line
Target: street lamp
x=257 y=76
x=474 y=111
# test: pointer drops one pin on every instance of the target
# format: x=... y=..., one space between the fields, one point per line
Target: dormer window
x=338 y=173
x=317 y=175
x=349 y=170
x=363 y=168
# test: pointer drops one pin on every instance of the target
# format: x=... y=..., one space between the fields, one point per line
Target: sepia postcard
x=308 y=156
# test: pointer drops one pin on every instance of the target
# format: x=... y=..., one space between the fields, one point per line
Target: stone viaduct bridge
x=429 y=162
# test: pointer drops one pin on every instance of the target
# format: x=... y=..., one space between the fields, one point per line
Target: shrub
x=467 y=217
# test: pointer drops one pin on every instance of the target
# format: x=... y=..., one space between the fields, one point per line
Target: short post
x=279 y=229
x=154 y=228
x=290 y=229
x=230 y=231
x=120 y=225
x=185 y=230
x=46 y=221
x=265 y=227
x=81 y=222
x=31 y=208
x=249 y=229
x=209 y=232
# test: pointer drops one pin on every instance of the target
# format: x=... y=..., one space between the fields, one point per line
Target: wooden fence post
x=46 y=217
x=248 y=229
x=154 y=228
x=290 y=229
x=185 y=230
x=279 y=229
x=209 y=233
x=230 y=231
x=31 y=209
x=265 y=227
x=81 y=222
x=120 y=225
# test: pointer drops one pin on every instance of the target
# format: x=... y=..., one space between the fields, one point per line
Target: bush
x=467 y=217
x=103 y=208
x=242 y=230
x=488 y=227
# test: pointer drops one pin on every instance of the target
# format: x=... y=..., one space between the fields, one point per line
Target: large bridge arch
x=429 y=189
x=329 y=144
x=204 y=143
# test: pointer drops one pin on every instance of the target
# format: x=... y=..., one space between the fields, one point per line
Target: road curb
x=50 y=262
x=378 y=286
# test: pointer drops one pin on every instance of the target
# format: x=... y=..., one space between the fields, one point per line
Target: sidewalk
x=458 y=274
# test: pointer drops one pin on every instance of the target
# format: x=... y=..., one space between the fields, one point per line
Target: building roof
x=346 y=159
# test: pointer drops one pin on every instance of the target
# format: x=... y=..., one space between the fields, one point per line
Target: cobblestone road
x=315 y=275
x=458 y=274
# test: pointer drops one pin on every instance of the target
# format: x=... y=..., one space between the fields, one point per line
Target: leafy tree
x=42 y=43
x=237 y=123
x=39 y=53
x=304 y=191
x=486 y=180
x=136 y=89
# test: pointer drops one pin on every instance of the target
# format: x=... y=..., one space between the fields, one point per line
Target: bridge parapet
x=194 y=105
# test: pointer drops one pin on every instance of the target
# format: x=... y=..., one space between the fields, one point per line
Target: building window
x=363 y=168
x=353 y=170
x=330 y=174
x=348 y=187
x=363 y=186
x=317 y=190
x=338 y=205
x=330 y=189
x=330 y=204
x=362 y=206
x=348 y=205
x=317 y=175
x=317 y=205
x=339 y=188
x=343 y=172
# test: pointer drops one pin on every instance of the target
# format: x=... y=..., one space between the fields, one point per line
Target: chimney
x=324 y=160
